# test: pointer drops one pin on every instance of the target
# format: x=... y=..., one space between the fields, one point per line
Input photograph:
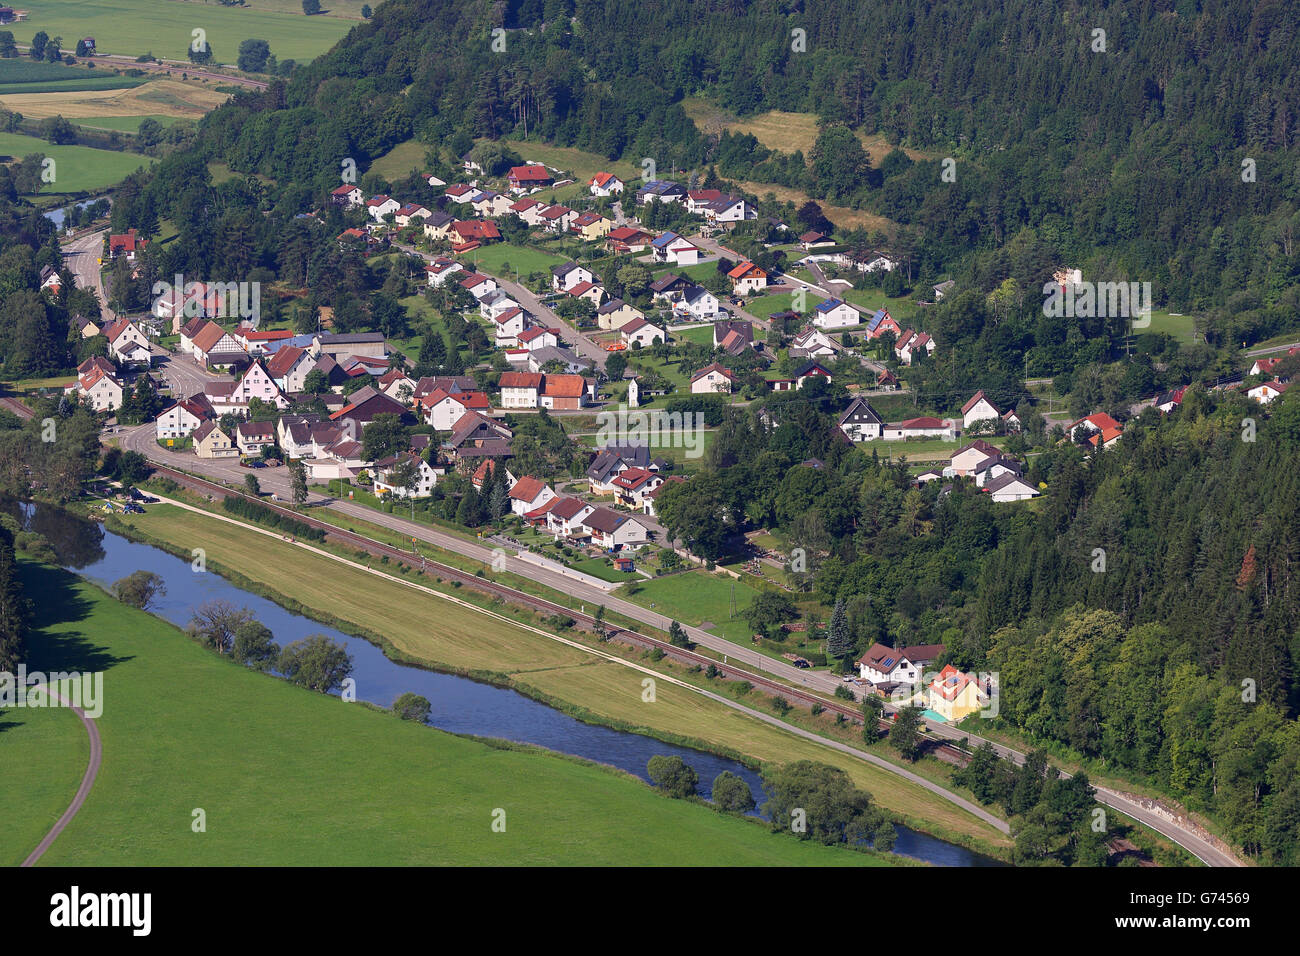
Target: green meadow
x=77 y=168
x=285 y=776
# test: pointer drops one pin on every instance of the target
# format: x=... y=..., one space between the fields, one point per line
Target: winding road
x=87 y=780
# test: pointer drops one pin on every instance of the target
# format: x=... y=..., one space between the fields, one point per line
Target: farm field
x=78 y=168
x=164 y=27
x=187 y=729
x=777 y=129
x=124 y=124
x=465 y=640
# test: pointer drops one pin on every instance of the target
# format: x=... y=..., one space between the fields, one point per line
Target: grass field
x=291 y=777
x=465 y=640
x=161 y=98
x=1180 y=327
x=123 y=124
x=400 y=160
x=780 y=130
x=581 y=164
x=523 y=258
x=164 y=27
x=77 y=168
x=696 y=597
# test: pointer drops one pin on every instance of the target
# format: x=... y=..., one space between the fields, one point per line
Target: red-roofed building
x=746 y=278
x=126 y=244
x=605 y=184
x=529 y=494
x=524 y=178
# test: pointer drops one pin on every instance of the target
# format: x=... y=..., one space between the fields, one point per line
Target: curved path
x=87 y=780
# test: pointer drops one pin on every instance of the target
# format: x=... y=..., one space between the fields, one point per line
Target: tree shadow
x=55 y=601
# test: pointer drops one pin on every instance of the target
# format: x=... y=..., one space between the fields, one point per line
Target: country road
x=81 y=256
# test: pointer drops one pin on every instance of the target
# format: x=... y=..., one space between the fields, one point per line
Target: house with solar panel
x=889 y=667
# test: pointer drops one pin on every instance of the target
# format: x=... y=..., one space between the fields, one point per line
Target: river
x=459 y=705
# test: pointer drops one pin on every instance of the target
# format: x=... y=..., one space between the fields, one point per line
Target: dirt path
x=87 y=780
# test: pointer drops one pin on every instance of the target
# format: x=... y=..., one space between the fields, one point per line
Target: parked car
x=802 y=664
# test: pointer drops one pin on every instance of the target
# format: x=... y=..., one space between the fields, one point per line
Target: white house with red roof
x=380 y=206
x=99 y=389
x=641 y=333
x=426 y=476
x=967 y=459
x=528 y=494
x=746 y=278
x=347 y=195
x=181 y=419
x=410 y=213
x=538 y=338
x=289 y=367
x=1097 y=427
x=521 y=389
x=605 y=184
x=979 y=408
x=479 y=285
x=566 y=515
x=632 y=485
x=440 y=270
x=462 y=192
x=507 y=326
x=126 y=244
x=613 y=531
x=557 y=218
x=1267 y=392
x=910 y=344
x=712 y=378
x=897 y=665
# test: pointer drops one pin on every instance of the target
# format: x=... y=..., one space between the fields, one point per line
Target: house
x=87 y=327
x=698 y=303
x=734 y=336
x=815 y=240
x=571 y=363
x=924 y=427
x=613 y=460
x=470 y=165
x=563 y=391
x=888 y=667
x=371 y=344
x=211 y=442
x=426 y=476
x=990 y=469
x=50 y=279
x=126 y=340
x=1265 y=366
x=433 y=180
x=592 y=226
x=99 y=390
x=671 y=247
x=612 y=531
x=942 y=289
x=476 y=437
x=528 y=494
x=660 y=190
x=409 y=213
x=557 y=218
x=1090 y=427
x=465 y=233
x=524 y=178
x=1168 y=401
x=746 y=278
x=1011 y=421
x=966 y=460
x=698 y=200
x=565 y=277
x=451 y=384
x=337 y=458
x=626 y=239
x=810 y=369
x=880 y=323
x=867 y=260
x=380 y=206
x=438 y=225
x=605 y=184
x=462 y=193
x=538 y=338
x=566 y=515
x=616 y=313
x=365 y=404
x=640 y=333
x=495 y=303
x=886 y=381
x=289 y=367
x=520 y=389
x=440 y=270
x=182 y=418
x=593 y=293
x=979 y=408
x=726 y=209
x=669 y=287
x=835 y=314
x=443 y=410
x=1010 y=487
x=954 y=695
x=633 y=485
x=651 y=498
x=508 y=326
x=529 y=210
x=126 y=244
x=257 y=342
x=252 y=437
x=911 y=343
x=860 y=422
x=491 y=205
x=712 y=378
x=1267 y=392
x=813 y=343
x=256 y=382
x=478 y=285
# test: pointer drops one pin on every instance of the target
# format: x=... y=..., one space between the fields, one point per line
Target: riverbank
x=465 y=643
x=286 y=776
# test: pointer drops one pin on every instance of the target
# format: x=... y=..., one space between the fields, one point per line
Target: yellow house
x=592 y=226
x=211 y=442
x=955 y=695
x=438 y=226
x=616 y=313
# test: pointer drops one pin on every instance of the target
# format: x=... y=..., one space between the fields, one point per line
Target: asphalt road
x=81 y=256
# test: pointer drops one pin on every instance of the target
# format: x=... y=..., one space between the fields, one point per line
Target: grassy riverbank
x=289 y=777
x=422 y=628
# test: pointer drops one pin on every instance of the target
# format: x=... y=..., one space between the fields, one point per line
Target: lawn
x=52 y=741
x=165 y=27
x=184 y=729
x=490 y=258
x=77 y=168
x=124 y=124
x=695 y=597
x=465 y=640
x=703 y=335
x=1180 y=327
